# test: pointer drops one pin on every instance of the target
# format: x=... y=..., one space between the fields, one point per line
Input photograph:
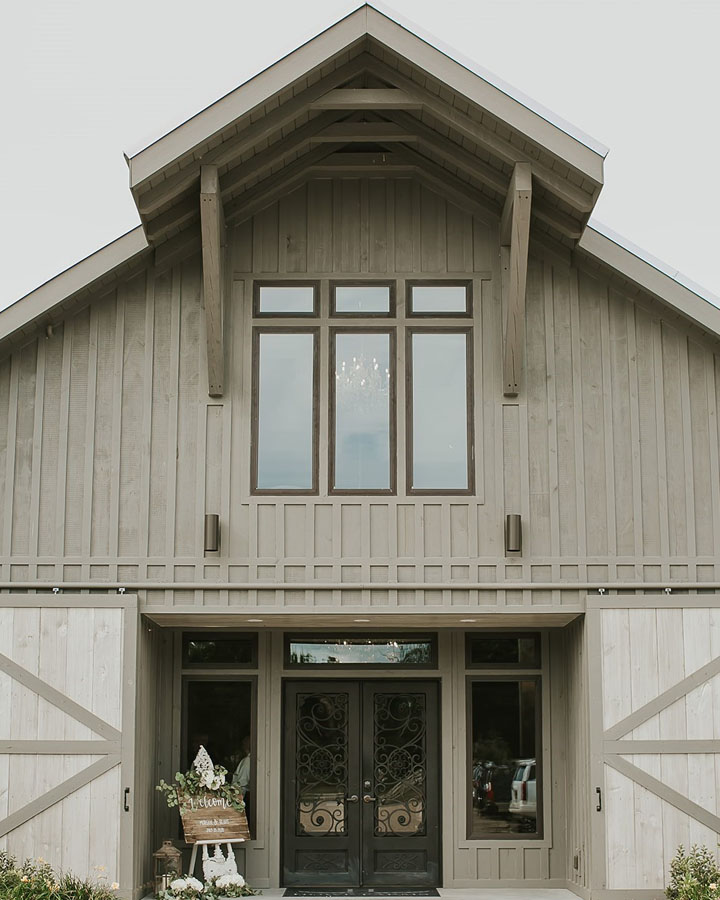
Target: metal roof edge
x=645 y=270
x=71 y=280
x=495 y=81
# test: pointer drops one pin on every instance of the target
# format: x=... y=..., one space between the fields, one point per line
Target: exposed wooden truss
x=367 y=98
x=212 y=229
x=514 y=244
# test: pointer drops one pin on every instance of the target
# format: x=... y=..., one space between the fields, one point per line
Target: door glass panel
x=321 y=763
x=362 y=411
x=399 y=762
x=440 y=422
x=285 y=411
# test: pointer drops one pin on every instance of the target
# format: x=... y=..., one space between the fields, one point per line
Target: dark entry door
x=361 y=784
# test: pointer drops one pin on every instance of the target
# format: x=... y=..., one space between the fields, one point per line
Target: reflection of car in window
x=524 y=791
x=497 y=790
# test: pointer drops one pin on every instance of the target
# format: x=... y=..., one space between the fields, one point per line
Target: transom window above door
x=370 y=380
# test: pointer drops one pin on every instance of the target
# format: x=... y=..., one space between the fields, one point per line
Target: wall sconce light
x=212 y=532
x=513 y=533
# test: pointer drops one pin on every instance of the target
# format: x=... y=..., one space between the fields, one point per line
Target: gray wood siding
x=111 y=450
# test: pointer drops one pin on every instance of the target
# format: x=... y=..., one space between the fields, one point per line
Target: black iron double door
x=361 y=784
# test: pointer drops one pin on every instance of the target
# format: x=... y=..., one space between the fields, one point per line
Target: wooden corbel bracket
x=514 y=241
x=212 y=228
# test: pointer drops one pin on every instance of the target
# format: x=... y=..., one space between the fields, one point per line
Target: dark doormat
x=361 y=892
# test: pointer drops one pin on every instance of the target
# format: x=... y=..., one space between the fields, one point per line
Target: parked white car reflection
x=523 y=799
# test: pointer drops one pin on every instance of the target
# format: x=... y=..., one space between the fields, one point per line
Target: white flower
x=178 y=886
x=202 y=762
x=195 y=884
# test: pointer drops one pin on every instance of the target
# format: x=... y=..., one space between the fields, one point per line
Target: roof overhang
x=578 y=151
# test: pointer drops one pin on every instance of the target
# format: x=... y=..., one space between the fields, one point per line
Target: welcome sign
x=207 y=817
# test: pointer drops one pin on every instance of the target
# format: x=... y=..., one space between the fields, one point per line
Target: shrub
x=36 y=880
x=694 y=875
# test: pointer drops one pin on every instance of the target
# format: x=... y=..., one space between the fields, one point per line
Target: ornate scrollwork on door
x=321 y=763
x=399 y=764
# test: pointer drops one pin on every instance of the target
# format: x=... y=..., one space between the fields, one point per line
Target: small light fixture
x=468 y=620
x=513 y=533
x=361 y=620
x=254 y=620
x=212 y=532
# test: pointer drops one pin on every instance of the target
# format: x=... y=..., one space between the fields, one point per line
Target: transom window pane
x=438 y=299
x=226 y=649
x=291 y=300
x=413 y=650
x=504 y=650
x=504 y=775
x=362 y=411
x=440 y=423
x=285 y=411
x=362 y=299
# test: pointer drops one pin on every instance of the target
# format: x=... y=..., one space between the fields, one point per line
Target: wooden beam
x=366 y=98
x=365 y=133
x=480 y=134
x=212 y=230
x=515 y=234
x=254 y=134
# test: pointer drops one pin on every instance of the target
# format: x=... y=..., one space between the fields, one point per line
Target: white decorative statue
x=217 y=865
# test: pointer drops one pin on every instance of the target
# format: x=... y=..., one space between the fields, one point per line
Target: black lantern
x=167 y=866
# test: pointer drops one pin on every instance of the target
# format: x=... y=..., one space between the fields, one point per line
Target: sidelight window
x=504 y=735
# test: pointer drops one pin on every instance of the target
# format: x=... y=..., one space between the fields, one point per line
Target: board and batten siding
x=111 y=451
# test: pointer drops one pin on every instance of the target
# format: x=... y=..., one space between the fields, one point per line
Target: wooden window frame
x=510 y=667
x=440 y=282
x=391 y=331
x=311 y=283
x=290 y=637
x=516 y=676
x=390 y=314
x=467 y=330
x=258 y=331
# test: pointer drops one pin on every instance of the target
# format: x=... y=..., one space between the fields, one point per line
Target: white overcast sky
x=81 y=81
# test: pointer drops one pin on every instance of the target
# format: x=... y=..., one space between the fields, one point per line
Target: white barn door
x=67 y=697
x=655 y=735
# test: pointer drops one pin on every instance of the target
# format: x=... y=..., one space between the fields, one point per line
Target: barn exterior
x=366 y=452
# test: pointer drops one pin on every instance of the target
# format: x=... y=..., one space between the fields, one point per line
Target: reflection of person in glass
x=241 y=776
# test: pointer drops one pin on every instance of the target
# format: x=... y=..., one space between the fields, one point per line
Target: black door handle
x=598 y=791
x=126 y=807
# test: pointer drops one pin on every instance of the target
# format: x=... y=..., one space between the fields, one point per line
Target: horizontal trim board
x=58 y=699
x=69 y=601
x=60 y=748
x=629 y=894
x=58 y=793
x=644 y=587
x=678 y=746
x=671 y=601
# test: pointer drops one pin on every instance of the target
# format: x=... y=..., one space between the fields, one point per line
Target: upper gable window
x=440 y=299
x=341 y=405
x=286 y=299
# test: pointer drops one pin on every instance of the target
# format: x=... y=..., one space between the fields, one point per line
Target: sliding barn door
x=67 y=697
x=655 y=735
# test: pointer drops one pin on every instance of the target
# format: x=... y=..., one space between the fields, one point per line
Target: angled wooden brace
x=514 y=241
x=212 y=229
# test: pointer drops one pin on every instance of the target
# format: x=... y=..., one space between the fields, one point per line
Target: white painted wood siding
x=66 y=732
x=111 y=450
x=656 y=734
